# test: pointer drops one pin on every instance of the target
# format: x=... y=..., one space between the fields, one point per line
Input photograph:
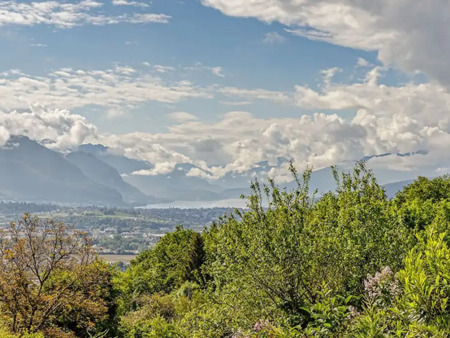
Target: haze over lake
x=228 y=203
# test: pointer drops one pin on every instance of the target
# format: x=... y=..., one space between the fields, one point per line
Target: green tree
x=274 y=262
x=424 y=189
x=351 y=263
x=415 y=302
x=175 y=259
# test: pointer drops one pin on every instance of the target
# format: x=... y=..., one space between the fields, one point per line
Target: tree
x=50 y=280
x=276 y=262
x=177 y=258
x=419 y=203
x=424 y=189
x=413 y=302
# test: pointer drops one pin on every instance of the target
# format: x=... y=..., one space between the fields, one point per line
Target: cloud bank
x=411 y=34
x=68 y=15
x=117 y=89
x=386 y=119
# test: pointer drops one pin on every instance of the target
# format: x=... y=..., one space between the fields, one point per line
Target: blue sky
x=179 y=74
x=251 y=54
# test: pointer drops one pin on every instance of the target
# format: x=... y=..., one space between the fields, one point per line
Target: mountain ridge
x=96 y=174
x=32 y=172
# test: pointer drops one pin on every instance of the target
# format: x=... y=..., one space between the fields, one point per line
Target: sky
x=227 y=84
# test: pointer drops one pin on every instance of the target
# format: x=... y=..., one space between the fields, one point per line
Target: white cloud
x=162 y=69
x=146 y=18
x=182 y=117
x=361 y=62
x=159 y=169
x=412 y=34
x=67 y=15
x=428 y=103
x=38 y=45
x=257 y=94
x=236 y=103
x=392 y=119
x=273 y=38
x=4 y=135
x=387 y=119
x=196 y=172
x=60 y=126
x=119 y=88
x=329 y=73
x=129 y=3
x=218 y=71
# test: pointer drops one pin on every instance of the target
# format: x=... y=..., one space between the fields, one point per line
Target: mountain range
x=93 y=174
x=31 y=172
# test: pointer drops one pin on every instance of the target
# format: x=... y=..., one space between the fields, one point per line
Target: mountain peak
x=94 y=149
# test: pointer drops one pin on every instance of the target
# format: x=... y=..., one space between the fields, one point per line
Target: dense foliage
x=51 y=282
x=348 y=264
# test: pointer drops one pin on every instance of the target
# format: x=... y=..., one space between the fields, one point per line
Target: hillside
x=351 y=263
x=31 y=172
x=96 y=174
x=100 y=172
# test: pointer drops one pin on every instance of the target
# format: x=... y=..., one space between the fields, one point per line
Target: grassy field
x=117 y=258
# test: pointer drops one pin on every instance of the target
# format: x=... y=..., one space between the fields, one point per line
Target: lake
x=227 y=203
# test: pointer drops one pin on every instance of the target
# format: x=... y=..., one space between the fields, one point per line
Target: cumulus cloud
x=413 y=34
x=428 y=103
x=62 y=128
x=387 y=119
x=4 y=135
x=159 y=169
x=68 y=15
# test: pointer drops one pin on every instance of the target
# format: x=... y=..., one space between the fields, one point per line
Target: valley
x=117 y=231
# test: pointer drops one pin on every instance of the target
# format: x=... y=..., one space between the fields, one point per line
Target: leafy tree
x=275 y=262
x=50 y=280
x=416 y=301
x=419 y=203
x=424 y=189
x=175 y=259
x=349 y=264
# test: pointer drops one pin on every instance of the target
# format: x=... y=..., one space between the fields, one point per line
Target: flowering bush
x=383 y=286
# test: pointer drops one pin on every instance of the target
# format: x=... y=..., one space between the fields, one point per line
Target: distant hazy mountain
x=321 y=180
x=419 y=152
x=393 y=188
x=31 y=172
x=240 y=180
x=122 y=164
x=100 y=172
x=94 y=174
x=176 y=186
